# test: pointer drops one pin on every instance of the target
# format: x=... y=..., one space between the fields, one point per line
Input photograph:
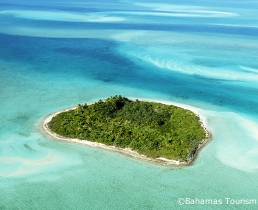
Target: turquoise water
x=56 y=54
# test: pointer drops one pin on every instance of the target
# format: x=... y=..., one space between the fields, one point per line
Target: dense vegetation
x=153 y=129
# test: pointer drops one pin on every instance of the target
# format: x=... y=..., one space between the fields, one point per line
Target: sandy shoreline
x=128 y=151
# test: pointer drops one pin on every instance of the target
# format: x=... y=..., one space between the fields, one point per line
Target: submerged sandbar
x=156 y=132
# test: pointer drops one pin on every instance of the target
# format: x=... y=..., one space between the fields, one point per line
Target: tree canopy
x=153 y=129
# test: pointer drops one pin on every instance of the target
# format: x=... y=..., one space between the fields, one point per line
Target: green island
x=152 y=129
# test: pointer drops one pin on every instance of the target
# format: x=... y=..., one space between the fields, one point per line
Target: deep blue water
x=54 y=55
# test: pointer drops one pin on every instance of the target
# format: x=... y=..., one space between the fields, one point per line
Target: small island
x=156 y=132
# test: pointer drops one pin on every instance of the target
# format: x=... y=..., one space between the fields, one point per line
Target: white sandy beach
x=128 y=151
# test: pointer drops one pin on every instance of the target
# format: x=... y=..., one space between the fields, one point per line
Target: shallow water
x=54 y=55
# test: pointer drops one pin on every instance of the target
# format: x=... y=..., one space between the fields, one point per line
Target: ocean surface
x=57 y=54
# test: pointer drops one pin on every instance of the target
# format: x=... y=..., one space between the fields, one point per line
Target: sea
x=56 y=54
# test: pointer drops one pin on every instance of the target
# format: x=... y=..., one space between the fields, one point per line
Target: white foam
x=177 y=64
x=249 y=69
x=185 y=10
x=129 y=35
x=176 y=13
x=62 y=16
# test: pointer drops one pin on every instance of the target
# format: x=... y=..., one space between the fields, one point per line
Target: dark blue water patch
x=79 y=55
x=98 y=59
x=6 y=5
x=194 y=27
x=91 y=48
x=81 y=58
